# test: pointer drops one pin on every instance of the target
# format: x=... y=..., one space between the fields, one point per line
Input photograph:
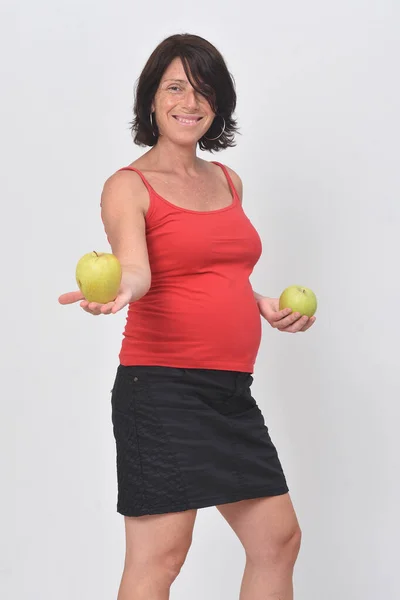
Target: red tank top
x=200 y=311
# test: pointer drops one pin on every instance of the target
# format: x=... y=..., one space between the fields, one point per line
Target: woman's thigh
x=158 y=538
x=263 y=525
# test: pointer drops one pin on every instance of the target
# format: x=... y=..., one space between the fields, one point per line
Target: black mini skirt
x=188 y=439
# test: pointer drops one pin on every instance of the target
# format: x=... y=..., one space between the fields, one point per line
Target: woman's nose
x=191 y=99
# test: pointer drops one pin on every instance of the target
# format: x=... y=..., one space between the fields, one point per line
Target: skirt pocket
x=229 y=394
x=123 y=407
x=233 y=406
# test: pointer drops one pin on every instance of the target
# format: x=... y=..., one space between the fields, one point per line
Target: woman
x=188 y=432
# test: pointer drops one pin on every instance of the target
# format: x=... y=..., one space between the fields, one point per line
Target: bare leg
x=156 y=548
x=270 y=534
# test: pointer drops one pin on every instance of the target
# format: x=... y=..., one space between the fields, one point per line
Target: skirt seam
x=215 y=500
x=172 y=453
x=139 y=452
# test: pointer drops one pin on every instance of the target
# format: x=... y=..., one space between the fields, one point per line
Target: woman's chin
x=182 y=139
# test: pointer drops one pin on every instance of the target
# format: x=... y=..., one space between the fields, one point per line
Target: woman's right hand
x=123 y=298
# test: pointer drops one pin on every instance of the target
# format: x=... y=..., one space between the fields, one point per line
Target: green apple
x=299 y=299
x=98 y=275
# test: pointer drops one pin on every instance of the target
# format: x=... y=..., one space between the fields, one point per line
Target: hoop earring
x=218 y=136
x=152 y=124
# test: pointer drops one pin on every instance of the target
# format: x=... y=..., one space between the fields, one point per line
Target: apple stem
x=95 y=252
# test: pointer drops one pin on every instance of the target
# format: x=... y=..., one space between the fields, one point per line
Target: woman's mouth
x=188 y=121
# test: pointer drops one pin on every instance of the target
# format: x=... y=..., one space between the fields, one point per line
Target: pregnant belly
x=212 y=325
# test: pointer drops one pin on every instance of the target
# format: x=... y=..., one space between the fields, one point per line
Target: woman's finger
x=94 y=306
x=296 y=326
x=91 y=307
x=107 y=308
x=281 y=314
x=311 y=322
x=91 y=312
x=70 y=297
x=121 y=301
x=287 y=321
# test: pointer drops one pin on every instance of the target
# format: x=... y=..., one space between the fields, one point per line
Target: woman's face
x=182 y=114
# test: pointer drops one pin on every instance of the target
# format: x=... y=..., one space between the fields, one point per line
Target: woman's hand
x=125 y=295
x=284 y=320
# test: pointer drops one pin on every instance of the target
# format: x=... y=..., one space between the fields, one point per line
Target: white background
x=318 y=101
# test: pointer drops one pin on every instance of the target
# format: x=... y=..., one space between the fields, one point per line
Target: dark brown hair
x=207 y=72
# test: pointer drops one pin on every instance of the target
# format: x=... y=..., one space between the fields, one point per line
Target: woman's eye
x=174 y=87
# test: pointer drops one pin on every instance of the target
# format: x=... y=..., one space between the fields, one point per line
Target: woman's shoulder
x=127 y=183
x=236 y=180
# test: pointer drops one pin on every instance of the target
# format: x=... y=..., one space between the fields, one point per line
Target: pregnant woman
x=188 y=432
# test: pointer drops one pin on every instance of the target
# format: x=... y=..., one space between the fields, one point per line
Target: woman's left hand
x=284 y=320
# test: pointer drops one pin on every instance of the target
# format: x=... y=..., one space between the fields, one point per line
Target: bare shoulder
x=125 y=186
x=123 y=212
x=237 y=182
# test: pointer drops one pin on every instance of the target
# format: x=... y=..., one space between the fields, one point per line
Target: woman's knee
x=163 y=564
x=283 y=549
x=293 y=544
x=157 y=545
x=173 y=562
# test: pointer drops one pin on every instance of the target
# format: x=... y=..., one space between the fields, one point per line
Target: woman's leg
x=156 y=548
x=270 y=534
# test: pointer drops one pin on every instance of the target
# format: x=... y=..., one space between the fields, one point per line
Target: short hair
x=207 y=72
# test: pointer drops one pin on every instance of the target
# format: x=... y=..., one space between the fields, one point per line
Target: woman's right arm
x=123 y=203
x=123 y=215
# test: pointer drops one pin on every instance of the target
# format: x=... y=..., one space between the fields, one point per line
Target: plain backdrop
x=318 y=100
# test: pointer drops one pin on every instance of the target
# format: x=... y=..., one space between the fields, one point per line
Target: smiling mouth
x=189 y=121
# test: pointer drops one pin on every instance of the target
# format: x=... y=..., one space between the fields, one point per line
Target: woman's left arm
x=284 y=320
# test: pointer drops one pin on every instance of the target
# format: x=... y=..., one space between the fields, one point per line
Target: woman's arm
x=123 y=216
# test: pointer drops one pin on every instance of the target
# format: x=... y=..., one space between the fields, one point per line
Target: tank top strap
x=153 y=193
x=142 y=177
x=229 y=179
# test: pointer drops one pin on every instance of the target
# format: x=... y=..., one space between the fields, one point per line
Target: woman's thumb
x=120 y=302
